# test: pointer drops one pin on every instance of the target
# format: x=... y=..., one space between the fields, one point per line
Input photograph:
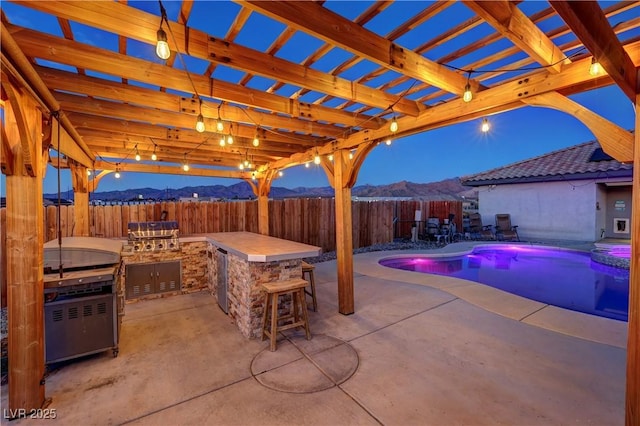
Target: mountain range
x=448 y=189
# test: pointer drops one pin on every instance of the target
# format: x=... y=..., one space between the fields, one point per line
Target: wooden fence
x=306 y=220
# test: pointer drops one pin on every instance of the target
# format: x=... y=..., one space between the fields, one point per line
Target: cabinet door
x=167 y=276
x=139 y=280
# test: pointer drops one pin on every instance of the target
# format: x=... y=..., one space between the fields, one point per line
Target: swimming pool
x=565 y=278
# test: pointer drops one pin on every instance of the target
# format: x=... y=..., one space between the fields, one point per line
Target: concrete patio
x=420 y=349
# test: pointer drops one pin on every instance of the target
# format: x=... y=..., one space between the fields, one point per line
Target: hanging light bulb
x=223 y=142
x=594 y=68
x=246 y=162
x=350 y=155
x=330 y=157
x=316 y=159
x=253 y=175
x=241 y=166
x=467 y=95
x=256 y=141
x=117 y=174
x=154 y=157
x=485 y=125
x=200 y=120
x=219 y=123
x=394 y=125
x=88 y=172
x=280 y=173
x=388 y=142
x=162 y=47
x=137 y=154
x=185 y=167
x=230 y=139
x=306 y=164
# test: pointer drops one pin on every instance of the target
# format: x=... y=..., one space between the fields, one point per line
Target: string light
x=388 y=142
x=393 y=127
x=330 y=157
x=316 y=159
x=154 y=157
x=162 y=47
x=594 y=68
x=185 y=165
x=485 y=125
x=350 y=155
x=241 y=166
x=467 y=95
x=200 y=120
x=137 y=154
x=306 y=164
x=117 y=174
x=219 y=123
x=88 y=172
x=223 y=142
x=230 y=136
x=256 y=141
x=280 y=173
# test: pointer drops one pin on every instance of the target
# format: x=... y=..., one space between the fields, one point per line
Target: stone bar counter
x=251 y=259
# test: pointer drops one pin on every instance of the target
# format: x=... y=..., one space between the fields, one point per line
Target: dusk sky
x=453 y=151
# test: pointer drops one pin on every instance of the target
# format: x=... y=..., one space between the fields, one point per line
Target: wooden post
x=80 y=181
x=261 y=190
x=25 y=238
x=632 y=417
x=344 y=233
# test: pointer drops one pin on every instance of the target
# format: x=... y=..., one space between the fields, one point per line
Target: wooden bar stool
x=272 y=293
x=308 y=268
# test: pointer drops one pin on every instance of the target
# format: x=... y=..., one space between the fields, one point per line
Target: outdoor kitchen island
x=240 y=262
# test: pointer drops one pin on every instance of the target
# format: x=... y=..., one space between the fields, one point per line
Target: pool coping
x=585 y=326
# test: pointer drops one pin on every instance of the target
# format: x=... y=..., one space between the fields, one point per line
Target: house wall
x=549 y=210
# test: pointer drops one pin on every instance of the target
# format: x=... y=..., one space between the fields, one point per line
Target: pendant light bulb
x=280 y=173
x=138 y=157
x=154 y=157
x=219 y=125
x=230 y=139
x=388 y=142
x=88 y=172
x=316 y=159
x=485 y=125
x=223 y=142
x=241 y=166
x=162 y=47
x=200 y=124
x=246 y=163
x=117 y=175
x=306 y=164
x=330 y=157
x=467 y=96
x=256 y=141
x=594 y=68
x=394 y=125
x=185 y=167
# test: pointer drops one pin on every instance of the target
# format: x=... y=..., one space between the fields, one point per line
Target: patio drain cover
x=304 y=366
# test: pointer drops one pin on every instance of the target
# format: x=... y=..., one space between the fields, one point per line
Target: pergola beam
x=505 y=17
x=332 y=28
x=588 y=22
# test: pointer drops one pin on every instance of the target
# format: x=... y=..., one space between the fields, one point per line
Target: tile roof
x=573 y=162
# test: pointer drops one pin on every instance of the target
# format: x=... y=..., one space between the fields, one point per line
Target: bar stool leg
x=265 y=315
x=305 y=316
x=274 y=321
x=313 y=291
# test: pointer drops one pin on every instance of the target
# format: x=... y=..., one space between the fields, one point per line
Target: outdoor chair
x=504 y=230
x=433 y=228
x=479 y=231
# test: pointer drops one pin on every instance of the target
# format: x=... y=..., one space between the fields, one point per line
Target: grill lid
x=81 y=252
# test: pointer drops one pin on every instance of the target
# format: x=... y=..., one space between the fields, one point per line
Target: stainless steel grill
x=84 y=308
x=154 y=236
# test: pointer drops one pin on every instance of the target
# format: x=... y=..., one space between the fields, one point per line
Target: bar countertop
x=261 y=248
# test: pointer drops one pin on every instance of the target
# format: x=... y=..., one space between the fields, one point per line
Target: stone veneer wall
x=245 y=296
x=193 y=257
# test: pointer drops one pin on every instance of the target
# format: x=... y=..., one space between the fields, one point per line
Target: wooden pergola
x=98 y=106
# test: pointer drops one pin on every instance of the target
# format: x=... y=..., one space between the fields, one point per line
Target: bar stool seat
x=273 y=291
x=308 y=268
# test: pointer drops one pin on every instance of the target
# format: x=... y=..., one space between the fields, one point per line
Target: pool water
x=564 y=278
